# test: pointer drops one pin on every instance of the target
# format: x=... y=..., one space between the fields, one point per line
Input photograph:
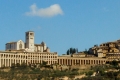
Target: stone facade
x=9 y=58
x=108 y=50
x=28 y=46
x=19 y=45
x=80 y=61
x=113 y=56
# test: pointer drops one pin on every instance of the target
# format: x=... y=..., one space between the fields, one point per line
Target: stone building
x=110 y=50
x=113 y=56
x=31 y=53
x=80 y=54
x=80 y=60
x=12 y=46
x=8 y=58
x=28 y=52
x=28 y=46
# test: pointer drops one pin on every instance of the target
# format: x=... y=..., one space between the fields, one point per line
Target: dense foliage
x=43 y=71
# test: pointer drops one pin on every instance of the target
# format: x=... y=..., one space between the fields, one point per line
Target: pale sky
x=61 y=24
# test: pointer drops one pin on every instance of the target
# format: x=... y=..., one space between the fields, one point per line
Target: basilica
x=28 y=46
x=30 y=53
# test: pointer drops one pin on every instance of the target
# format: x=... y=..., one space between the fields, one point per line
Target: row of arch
x=80 y=62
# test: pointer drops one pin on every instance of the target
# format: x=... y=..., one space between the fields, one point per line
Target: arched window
x=20 y=46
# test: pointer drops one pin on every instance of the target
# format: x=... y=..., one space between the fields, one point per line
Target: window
x=20 y=46
x=112 y=50
x=31 y=33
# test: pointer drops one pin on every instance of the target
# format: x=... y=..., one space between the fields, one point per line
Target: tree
x=44 y=63
x=18 y=65
x=89 y=73
x=23 y=65
x=56 y=64
x=39 y=77
x=71 y=50
x=76 y=50
x=68 y=52
x=13 y=65
x=86 y=51
x=114 y=63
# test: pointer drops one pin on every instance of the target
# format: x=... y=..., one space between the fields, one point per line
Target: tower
x=44 y=46
x=30 y=40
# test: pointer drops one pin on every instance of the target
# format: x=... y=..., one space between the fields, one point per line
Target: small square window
x=31 y=33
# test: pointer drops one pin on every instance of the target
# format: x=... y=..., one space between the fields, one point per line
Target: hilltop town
x=19 y=55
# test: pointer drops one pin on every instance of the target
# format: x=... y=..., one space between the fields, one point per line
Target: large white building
x=28 y=46
x=7 y=58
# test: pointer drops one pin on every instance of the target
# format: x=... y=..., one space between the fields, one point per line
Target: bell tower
x=29 y=36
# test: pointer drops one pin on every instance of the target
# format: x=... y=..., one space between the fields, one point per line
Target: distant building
x=28 y=46
x=30 y=53
x=110 y=50
x=12 y=46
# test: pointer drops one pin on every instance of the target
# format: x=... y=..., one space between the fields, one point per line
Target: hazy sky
x=61 y=24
